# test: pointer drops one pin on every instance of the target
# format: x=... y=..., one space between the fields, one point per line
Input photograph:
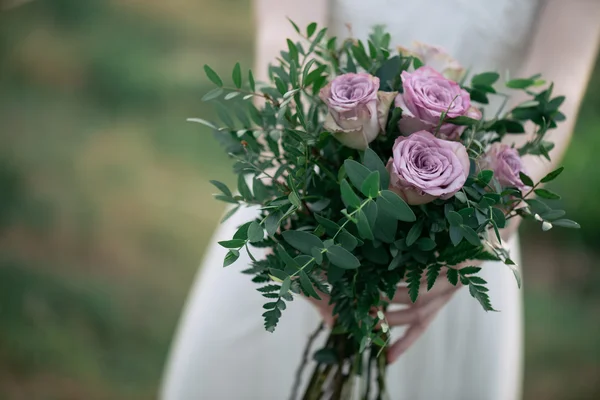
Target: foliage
x=325 y=208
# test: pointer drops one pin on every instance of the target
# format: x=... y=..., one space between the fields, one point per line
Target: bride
x=446 y=347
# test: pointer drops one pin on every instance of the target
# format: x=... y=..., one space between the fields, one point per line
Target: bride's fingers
x=417 y=328
x=410 y=336
x=419 y=312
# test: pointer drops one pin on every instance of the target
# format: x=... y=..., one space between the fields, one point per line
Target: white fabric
x=221 y=350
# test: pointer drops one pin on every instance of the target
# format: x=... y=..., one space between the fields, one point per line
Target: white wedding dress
x=221 y=350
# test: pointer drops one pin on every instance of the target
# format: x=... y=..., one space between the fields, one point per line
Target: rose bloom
x=423 y=168
x=436 y=58
x=427 y=94
x=506 y=164
x=358 y=111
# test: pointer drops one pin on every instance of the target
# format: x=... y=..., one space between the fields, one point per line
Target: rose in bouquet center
x=424 y=168
x=427 y=98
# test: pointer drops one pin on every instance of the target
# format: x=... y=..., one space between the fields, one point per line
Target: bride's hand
x=417 y=316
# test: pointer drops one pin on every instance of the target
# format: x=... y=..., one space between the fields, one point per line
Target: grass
x=105 y=206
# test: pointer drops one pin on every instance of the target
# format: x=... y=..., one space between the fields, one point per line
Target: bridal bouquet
x=374 y=168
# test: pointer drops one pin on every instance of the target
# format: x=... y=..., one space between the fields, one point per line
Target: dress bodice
x=481 y=34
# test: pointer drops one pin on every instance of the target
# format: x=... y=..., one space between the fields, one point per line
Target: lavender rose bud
x=436 y=58
x=506 y=164
x=427 y=94
x=357 y=110
x=423 y=168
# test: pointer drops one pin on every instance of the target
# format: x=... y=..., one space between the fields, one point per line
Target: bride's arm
x=564 y=49
x=272 y=26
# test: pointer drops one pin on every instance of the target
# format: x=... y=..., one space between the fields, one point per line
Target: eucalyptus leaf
x=303 y=241
x=357 y=173
x=342 y=258
x=395 y=206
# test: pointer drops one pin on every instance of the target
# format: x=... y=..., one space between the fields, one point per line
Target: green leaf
x=233 y=243
x=414 y=233
x=485 y=79
x=470 y=270
x=485 y=176
x=372 y=161
x=272 y=222
x=395 y=206
x=203 y=122
x=330 y=226
x=285 y=286
x=499 y=217
x=433 y=271
x=454 y=218
x=426 y=244
x=347 y=241
x=417 y=63
x=357 y=173
x=552 y=175
x=452 y=275
x=370 y=186
x=519 y=83
x=295 y=200
x=251 y=80
x=279 y=274
x=243 y=188
x=222 y=187
x=236 y=75
x=553 y=215
x=348 y=196
x=470 y=235
x=385 y=227
x=268 y=288
x=255 y=232
x=566 y=223
x=547 y=194
x=213 y=94
x=302 y=241
x=294 y=25
x=317 y=255
x=537 y=206
x=213 y=76
x=242 y=231
x=310 y=29
x=286 y=258
x=364 y=226
x=479 y=293
x=413 y=277
x=231 y=95
x=342 y=258
x=231 y=257
x=527 y=181
x=307 y=285
x=361 y=57
x=456 y=235
x=462 y=120
x=293 y=51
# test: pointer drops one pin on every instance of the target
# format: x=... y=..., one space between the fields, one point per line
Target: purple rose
x=423 y=168
x=427 y=94
x=506 y=164
x=357 y=110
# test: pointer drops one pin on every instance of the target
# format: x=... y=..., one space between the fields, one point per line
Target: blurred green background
x=105 y=206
